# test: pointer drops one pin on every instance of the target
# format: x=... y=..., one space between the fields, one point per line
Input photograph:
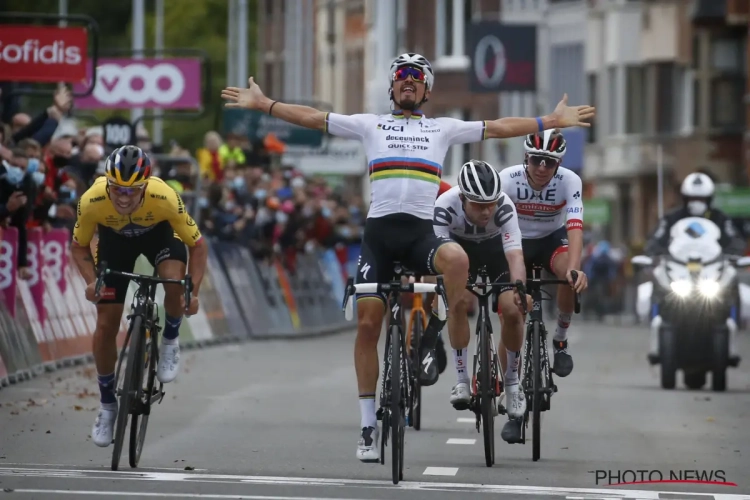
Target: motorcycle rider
x=697 y=192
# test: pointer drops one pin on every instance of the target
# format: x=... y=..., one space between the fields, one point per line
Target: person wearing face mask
x=697 y=192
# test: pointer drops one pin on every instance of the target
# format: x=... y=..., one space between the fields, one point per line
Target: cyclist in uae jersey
x=405 y=152
x=482 y=219
x=134 y=214
x=548 y=200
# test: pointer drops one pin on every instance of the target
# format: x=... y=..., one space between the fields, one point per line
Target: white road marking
x=466 y=420
x=142 y=494
x=440 y=471
x=112 y=477
x=460 y=441
x=68 y=465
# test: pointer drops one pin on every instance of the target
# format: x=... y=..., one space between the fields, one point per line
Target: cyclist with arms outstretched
x=549 y=203
x=405 y=152
x=135 y=214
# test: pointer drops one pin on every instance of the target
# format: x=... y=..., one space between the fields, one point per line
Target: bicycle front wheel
x=397 y=420
x=536 y=399
x=127 y=390
x=144 y=395
x=487 y=393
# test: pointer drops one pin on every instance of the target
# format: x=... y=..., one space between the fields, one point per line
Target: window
x=592 y=81
x=268 y=70
x=614 y=93
x=726 y=94
x=697 y=102
x=665 y=93
x=635 y=98
x=452 y=18
x=727 y=55
x=355 y=6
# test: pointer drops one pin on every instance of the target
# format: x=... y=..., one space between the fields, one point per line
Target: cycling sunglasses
x=537 y=161
x=407 y=71
x=125 y=191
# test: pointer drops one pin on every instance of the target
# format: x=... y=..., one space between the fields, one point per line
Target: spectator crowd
x=240 y=192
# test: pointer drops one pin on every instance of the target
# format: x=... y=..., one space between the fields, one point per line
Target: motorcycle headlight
x=681 y=288
x=709 y=288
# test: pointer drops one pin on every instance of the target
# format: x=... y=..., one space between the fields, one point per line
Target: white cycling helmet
x=548 y=143
x=479 y=182
x=416 y=60
x=697 y=185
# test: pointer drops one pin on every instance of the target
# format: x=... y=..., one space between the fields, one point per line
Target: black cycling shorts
x=120 y=253
x=488 y=256
x=396 y=238
x=542 y=251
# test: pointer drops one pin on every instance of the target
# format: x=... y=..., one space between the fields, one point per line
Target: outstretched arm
x=253 y=98
x=563 y=116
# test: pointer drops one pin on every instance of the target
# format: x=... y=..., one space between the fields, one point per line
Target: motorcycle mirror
x=642 y=260
x=743 y=262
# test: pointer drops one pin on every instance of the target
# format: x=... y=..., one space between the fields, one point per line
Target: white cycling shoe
x=104 y=425
x=169 y=362
x=367 y=447
x=516 y=401
x=461 y=396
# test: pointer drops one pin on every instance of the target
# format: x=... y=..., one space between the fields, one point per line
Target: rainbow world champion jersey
x=405 y=156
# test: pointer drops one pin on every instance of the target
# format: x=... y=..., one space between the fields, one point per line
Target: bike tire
x=125 y=396
x=396 y=411
x=487 y=394
x=536 y=404
x=416 y=415
x=138 y=429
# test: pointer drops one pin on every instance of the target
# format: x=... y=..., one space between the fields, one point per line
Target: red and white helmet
x=549 y=143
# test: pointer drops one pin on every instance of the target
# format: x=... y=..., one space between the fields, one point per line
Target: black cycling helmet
x=128 y=166
x=479 y=182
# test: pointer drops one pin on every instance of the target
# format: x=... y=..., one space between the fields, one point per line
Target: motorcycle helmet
x=697 y=192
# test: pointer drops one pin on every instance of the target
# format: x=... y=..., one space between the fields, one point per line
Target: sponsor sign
x=503 y=57
x=43 y=54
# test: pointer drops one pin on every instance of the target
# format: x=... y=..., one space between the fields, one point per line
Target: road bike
x=397 y=394
x=414 y=332
x=538 y=382
x=141 y=347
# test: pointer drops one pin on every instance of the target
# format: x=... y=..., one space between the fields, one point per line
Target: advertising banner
x=122 y=83
x=43 y=54
x=503 y=57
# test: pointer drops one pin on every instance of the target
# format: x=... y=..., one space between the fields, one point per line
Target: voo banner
x=147 y=83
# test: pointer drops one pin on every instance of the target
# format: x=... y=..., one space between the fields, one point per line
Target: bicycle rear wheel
x=130 y=382
x=416 y=398
x=144 y=395
x=536 y=403
x=487 y=393
x=396 y=419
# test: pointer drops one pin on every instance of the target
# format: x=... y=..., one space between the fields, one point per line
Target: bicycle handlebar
x=393 y=286
x=187 y=282
x=538 y=283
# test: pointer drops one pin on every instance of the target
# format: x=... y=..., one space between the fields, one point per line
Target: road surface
x=279 y=421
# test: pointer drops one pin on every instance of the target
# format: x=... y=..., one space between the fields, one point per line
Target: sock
x=429 y=339
x=171 y=329
x=511 y=373
x=462 y=372
x=367 y=410
x=563 y=322
x=107 y=389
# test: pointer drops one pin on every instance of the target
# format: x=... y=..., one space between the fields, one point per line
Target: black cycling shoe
x=734 y=361
x=428 y=369
x=442 y=356
x=563 y=360
x=653 y=359
x=511 y=432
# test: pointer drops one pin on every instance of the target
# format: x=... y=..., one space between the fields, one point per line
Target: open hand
x=572 y=116
x=249 y=98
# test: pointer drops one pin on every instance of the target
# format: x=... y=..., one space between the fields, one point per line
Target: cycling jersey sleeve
x=461 y=132
x=348 y=126
x=180 y=220
x=510 y=230
x=442 y=219
x=574 y=202
x=83 y=232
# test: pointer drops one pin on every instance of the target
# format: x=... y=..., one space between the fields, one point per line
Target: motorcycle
x=692 y=304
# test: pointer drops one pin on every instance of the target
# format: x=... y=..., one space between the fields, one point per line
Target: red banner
x=43 y=54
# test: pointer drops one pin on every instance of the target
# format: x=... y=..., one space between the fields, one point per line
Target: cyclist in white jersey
x=405 y=151
x=477 y=215
x=548 y=200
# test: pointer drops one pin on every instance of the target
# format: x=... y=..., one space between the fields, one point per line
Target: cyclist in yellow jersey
x=135 y=214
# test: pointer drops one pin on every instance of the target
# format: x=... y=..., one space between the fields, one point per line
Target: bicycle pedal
x=554 y=388
x=462 y=406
